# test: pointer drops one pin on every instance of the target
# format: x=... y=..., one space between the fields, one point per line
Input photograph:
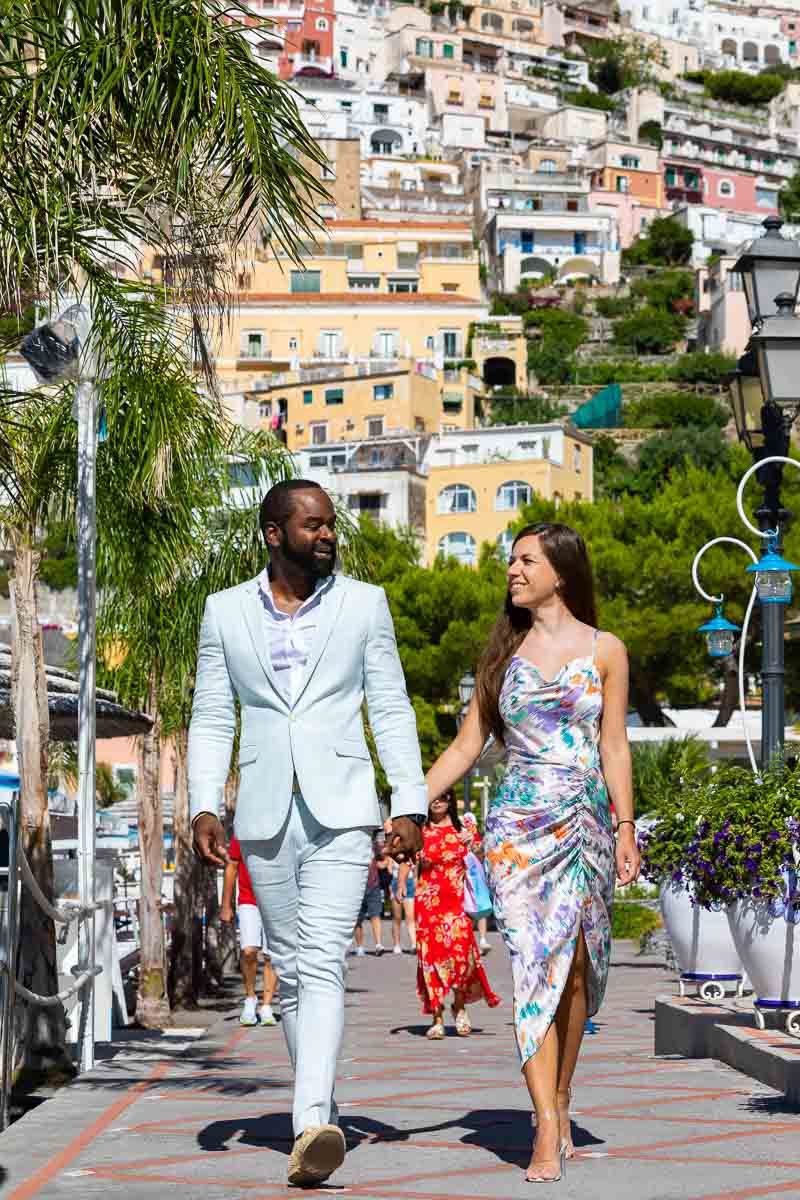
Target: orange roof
x=358 y=297
x=457 y=227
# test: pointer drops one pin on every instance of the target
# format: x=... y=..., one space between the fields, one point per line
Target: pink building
x=738 y=192
x=632 y=214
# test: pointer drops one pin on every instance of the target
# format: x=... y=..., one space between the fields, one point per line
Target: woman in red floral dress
x=447 y=953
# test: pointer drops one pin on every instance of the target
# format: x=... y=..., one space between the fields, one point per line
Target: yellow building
x=383 y=257
x=348 y=406
x=480 y=479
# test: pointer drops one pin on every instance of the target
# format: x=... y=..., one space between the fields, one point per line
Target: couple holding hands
x=301 y=648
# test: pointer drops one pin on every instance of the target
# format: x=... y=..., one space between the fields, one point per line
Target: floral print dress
x=549 y=846
x=448 y=958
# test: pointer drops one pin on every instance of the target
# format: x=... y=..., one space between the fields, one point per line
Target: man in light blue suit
x=301 y=648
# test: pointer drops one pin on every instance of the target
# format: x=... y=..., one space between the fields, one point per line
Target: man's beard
x=306 y=560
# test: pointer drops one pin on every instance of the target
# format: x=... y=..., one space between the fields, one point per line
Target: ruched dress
x=549 y=846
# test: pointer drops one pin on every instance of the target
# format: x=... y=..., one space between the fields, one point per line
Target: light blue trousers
x=309 y=883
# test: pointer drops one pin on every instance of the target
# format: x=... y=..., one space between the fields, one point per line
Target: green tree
x=789 y=198
x=649 y=331
x=642 y=550
x=150 y=127
x=525 y=410
x=109 y=790
x=666 y=243
x=739 y=87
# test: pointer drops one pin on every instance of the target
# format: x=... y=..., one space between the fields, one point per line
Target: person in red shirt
x=251 y=939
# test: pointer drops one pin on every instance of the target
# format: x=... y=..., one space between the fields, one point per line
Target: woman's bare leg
x=411 y=927
x=541 y=1076
x=397 y=916
x=570 y=1022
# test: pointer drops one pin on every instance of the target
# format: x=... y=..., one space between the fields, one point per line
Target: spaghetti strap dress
x=549 y=845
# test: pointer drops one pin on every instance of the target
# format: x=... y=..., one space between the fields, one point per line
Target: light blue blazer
x=320 y=738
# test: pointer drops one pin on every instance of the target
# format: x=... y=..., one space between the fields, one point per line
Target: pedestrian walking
x=252 y=939
x=404 y=883
x=554 y=690
x=477 y=898
x=372 y=903
x=448 y=959
x=300 y=648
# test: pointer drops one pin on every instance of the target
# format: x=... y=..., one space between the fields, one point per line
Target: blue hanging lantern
x=773 y=576
x=719 y=633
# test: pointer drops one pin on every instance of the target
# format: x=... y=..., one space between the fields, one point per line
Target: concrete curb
x=690 y=1028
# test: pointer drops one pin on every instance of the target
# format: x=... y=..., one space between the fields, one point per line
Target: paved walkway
x=208 y=1119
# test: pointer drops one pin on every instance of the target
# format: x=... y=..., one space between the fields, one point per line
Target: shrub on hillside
x=698 y=367
x=649 y=331
x=666 y=289
x=613 y=306
x=675 y=410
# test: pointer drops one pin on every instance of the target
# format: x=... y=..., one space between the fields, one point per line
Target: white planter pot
x=769 y=946
x=702 y=943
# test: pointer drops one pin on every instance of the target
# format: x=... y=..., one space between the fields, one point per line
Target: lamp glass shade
x=720 y=643
x=466 y=688
x=720 y=634
x=766 y=280
x=773 y=576
x=747 y=401
x=770 y=265
x=777 y=366
x=774 y=587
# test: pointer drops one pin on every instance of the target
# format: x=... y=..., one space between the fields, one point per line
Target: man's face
x=308 y=538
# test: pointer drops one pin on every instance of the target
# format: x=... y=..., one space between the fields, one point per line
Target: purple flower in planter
x=751 y=865
x=677 y=876
x=773 y=835
x=739 y=840
x=788 y=906
x=793 y=826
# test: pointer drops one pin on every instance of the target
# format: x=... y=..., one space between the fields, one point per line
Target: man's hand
x=209 y=840
x=404 y=841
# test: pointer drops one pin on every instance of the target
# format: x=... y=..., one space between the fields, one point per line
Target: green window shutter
x=308 y=397
x=334 y=396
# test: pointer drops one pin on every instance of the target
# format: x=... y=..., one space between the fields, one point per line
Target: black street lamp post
x=765 y=396
x=466 y=690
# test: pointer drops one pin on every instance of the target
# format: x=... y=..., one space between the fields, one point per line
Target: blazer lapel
x=329 y=608
x=253 y=611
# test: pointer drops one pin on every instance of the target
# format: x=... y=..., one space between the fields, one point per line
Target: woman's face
x=531 y=579
x=439 y=808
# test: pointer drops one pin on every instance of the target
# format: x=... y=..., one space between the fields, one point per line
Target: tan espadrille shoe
x=316 y=1154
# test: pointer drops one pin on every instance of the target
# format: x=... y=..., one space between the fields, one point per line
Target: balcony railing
x=257 y=354
x=492 y=345
x=320 y=63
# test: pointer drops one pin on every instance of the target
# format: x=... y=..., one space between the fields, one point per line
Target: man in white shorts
x=251 y=939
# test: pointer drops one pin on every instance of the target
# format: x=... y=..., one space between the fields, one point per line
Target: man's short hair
x=278 y=504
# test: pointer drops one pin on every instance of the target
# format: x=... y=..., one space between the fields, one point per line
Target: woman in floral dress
x=554 y=691
x=448 y=959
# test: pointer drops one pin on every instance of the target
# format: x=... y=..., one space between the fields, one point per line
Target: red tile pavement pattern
x=424 y=1121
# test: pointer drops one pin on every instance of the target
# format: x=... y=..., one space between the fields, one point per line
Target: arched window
x=750 y=52
x=460 y=546
x=729 y=47
x=457 y=498
x=772 y=55
x=512 y=495
x=492 y=21
x=548 y=166
x=521 y=25
x=726 y=188
x=504 y=543
x=322 y=24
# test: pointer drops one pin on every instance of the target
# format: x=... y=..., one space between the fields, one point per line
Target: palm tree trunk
x=182 y=993
x=227 y=936
x=214 y=980
x=40 y=1032
x=152 y=1005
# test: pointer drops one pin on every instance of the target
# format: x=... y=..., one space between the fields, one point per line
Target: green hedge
x=633 y=921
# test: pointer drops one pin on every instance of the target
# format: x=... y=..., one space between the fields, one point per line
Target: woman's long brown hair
x=566 y=552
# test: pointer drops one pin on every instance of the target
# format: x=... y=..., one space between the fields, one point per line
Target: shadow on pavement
x=505 y=1133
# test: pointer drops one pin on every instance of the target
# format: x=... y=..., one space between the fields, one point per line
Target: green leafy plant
x=633 y=920
x=613 y=306
x=660 y=770
x=651 y=132
x=731 y=836
x=666 y=243
x=649 y=330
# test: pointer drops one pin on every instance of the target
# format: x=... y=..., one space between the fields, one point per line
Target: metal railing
x=13 y=876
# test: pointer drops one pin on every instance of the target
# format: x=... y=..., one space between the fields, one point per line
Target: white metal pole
x=86 y=522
